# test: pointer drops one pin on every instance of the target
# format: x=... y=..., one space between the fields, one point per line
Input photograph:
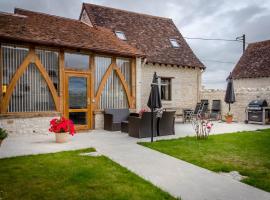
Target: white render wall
x=263 y=82
x=186 y=85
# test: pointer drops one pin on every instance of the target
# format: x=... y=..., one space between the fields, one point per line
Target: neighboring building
x=251 y=80
x=53 y=66
x=253 y=68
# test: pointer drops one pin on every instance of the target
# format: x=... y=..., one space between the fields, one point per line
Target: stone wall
x=19 y=126
x=263 y=82
x=186 y=84
x=243 y=97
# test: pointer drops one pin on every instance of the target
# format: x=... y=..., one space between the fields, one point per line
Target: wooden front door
x=77 y=99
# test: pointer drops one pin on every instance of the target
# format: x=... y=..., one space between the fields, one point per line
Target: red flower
x=62 y=125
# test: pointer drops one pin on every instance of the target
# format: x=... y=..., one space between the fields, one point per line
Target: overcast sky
x=197 y=18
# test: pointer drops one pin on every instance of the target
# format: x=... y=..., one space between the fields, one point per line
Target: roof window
x=174 y=43
x=120 y=35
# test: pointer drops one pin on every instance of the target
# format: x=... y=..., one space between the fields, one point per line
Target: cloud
x=210 y=19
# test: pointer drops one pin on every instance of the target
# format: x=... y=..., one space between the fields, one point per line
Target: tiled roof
x=148 y=33
x=29 y=26
x=255 y=62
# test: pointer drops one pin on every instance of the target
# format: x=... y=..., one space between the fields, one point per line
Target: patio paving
x=179 y=178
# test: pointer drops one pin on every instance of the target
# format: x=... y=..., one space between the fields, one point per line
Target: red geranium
x=62 y=125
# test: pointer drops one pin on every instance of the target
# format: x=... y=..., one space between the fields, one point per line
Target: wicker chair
x=140 y=127
x=166 y=123
x=114 y=117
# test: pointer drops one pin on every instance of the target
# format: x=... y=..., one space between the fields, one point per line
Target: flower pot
x=229 y=119
x=61 y=137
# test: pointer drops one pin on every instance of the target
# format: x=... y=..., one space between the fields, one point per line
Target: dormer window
x=120 y=35
x=174 y=43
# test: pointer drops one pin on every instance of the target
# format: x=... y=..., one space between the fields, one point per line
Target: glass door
x=78 y=99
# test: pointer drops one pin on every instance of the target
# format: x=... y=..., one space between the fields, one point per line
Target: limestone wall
x=19 y=126
x=243 y=97
x=263 y=82
x=186 y=84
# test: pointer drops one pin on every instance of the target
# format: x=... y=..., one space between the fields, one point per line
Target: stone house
x=251 y=77
x=56 y=66
x=253 y=68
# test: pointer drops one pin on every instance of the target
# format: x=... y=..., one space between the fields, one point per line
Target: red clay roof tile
x=148 y=33
x=47 y=29
x=255 y=62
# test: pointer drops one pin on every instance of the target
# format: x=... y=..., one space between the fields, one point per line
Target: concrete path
x=177 y=177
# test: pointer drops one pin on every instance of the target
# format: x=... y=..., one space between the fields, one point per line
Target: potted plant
x=3 y=135
x=229 y=117
x=62 y=127
x=142 y=111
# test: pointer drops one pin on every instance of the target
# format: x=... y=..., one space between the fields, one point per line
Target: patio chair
x=215 y=110
x=140 y=127
x=166 y=123
x=189 y=114
x=125 y=124
x=114 y=117
x=203 y=111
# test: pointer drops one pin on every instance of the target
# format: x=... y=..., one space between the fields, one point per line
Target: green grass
x=245 y=152
x=67 y=175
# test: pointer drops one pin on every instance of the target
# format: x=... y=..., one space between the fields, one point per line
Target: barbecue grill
x=258 y=112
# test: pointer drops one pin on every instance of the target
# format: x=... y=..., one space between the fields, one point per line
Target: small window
x=165 y=89
x=120 y=35
x=77 y=61
x=174 y=43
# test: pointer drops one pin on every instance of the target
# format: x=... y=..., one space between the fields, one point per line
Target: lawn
x=67 y=175
x=245 y=152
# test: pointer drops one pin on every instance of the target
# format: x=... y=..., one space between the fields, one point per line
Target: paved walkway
x=177 y=177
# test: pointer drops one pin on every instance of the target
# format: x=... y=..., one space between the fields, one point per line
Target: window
x=174 y=43
x=120 y=35
x=31 y=92
x=77 y=61
x=113 y=94
x=165 y=89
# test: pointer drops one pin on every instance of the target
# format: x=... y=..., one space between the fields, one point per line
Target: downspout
x=144 y=61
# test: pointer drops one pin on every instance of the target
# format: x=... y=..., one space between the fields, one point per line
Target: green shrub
x=3 y=134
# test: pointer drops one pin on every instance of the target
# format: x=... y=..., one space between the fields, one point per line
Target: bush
x=3 y=134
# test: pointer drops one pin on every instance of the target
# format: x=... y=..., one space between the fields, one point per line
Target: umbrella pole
x=152 y=124
x=229 y=107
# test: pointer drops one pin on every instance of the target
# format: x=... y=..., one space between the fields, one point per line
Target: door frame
x=88 y=110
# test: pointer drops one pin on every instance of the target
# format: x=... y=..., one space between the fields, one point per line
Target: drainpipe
x=144 y=61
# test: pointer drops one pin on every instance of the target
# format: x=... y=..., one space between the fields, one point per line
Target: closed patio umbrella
x=154 y=101
x=230 y=96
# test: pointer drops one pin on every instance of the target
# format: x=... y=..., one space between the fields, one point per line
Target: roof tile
x=59 y=31
x=255 y=62
x=148 y=33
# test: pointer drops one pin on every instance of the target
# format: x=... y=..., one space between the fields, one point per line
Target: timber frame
x=59 y=98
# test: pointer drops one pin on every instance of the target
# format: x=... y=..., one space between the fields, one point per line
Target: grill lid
x=258 y=103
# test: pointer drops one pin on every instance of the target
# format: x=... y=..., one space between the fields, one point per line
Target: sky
x=225 y=19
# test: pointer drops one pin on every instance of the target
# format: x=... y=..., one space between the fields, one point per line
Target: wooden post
x=92 y=90
x=61 y=82
x=1 y=78
x=133 y=82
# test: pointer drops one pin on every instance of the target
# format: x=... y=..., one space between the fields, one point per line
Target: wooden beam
x=48 y=81
x=92 y=89
x=15 y=78
x=125 y=85
x=1 y=78
x=133 y=82
x=104 y=80
x=61 y=82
